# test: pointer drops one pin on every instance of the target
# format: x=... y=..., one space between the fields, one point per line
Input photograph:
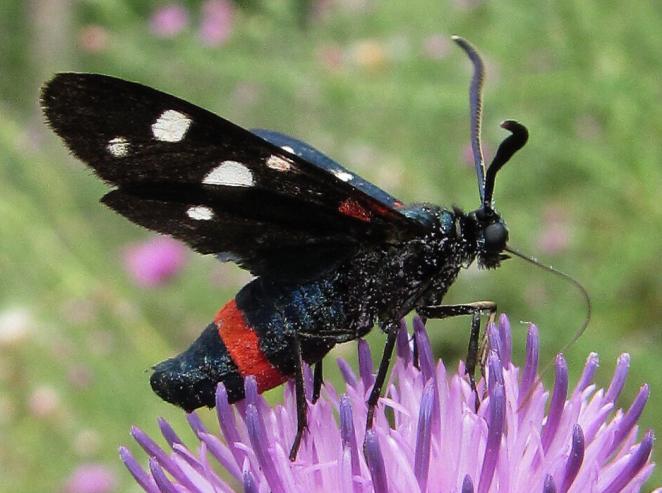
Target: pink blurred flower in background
x=93 y=38
x=91 y=478
x=169 y=20
x=436 y=46
x=216 y=23
x=332 y=56
x=44 y=402
x=522 y=439
x=554 y=236
x=155 y=261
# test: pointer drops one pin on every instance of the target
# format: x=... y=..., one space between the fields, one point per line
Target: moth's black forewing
x=282 y=203
x=312 y=155
x=89 y=110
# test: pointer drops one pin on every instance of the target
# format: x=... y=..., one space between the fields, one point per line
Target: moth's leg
x=318 y=380
x=447 y=311
x=331 y=335
x=475 y=310
x=391 y=336
x=302 y=406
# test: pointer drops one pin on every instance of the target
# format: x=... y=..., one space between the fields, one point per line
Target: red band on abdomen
x=243 y=344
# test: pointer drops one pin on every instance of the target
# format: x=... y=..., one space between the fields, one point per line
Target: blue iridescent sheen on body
x=277 y=312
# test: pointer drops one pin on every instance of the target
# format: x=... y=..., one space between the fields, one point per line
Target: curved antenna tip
x=466 y=46
x=515 y=127
x=570 y=279
x=460 y=40
x=476 y=108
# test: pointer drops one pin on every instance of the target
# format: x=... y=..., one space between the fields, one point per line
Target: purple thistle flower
x=432 y=438
x=153 y=262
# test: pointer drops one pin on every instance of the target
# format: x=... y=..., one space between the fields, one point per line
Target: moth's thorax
x=389 y=282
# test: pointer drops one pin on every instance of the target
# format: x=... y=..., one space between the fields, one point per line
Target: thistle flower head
x=427 y=434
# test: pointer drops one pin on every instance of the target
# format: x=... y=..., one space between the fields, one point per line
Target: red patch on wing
x=243 y=344
x=384 y=211
x=352 y=208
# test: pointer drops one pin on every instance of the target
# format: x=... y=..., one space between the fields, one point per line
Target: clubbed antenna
x=509 y=146
x=476 y=105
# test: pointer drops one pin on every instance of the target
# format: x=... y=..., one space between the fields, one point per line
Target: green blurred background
x=378 y=86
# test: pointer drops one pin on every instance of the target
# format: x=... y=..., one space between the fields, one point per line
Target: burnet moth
x=332 y=254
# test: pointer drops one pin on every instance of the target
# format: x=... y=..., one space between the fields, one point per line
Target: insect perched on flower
x=333 y=254
x=428 y=437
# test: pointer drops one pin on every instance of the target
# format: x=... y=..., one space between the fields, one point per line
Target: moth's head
x=491 y=236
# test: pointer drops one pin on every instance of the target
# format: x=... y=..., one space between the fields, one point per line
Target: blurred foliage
x=378 y=86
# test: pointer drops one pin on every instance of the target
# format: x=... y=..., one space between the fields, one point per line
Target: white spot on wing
x=278 y=163
x=231 y=174
x=118 y=147
x=200 y=213
x=171 y=126
x=342 y=175
x=288 y=149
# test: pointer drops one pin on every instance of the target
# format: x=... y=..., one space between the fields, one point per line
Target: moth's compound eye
x=496 y=236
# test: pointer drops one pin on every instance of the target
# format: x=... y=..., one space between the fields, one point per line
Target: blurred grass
x=583 y=76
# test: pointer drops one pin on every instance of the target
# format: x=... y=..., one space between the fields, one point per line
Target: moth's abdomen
x=227 y=351
x=243 y=344
x=311 y=312
x=252 y=335
x=189 y=379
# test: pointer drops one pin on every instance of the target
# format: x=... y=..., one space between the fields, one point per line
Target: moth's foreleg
x=475 y=309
